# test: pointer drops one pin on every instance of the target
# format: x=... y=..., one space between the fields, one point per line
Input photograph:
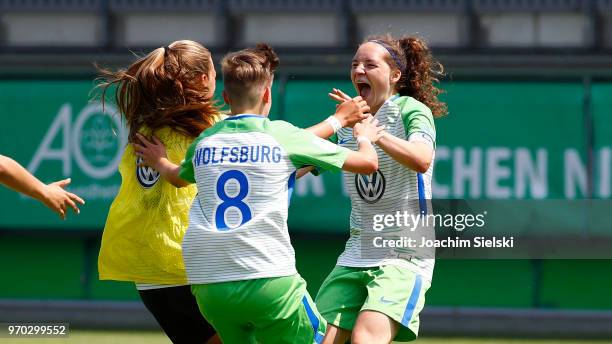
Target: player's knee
x=362 y=335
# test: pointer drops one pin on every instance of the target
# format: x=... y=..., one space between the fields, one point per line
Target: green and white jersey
x=244 y=168
x=392 y=188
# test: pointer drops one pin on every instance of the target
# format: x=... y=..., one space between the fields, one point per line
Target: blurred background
x=528 y=85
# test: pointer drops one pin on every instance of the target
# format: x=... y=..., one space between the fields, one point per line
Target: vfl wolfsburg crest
x=147 y=176
x=370 y=187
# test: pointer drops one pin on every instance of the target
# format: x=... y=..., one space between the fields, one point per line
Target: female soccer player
x=53 y=195
x=375 y=296
x=167 y=93
x=237 y=251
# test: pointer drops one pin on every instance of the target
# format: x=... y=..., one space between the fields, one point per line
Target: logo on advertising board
x=94 y=141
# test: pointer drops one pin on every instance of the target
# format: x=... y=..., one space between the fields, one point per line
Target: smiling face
x=372 y=76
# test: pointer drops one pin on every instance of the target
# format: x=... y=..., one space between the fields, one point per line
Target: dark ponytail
x=420 y=72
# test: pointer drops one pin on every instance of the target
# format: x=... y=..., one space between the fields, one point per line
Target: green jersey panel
x=306 y=149
x=417 y=118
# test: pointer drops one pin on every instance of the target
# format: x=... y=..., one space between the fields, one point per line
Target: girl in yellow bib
x=166 y=95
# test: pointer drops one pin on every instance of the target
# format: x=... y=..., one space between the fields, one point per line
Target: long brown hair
x=164 y=89
x=420 y=72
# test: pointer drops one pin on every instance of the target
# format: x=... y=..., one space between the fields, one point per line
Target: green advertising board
x=53 y=129
x=519 y=145
x=319 y=203
x=501 y=141
x=602 y=137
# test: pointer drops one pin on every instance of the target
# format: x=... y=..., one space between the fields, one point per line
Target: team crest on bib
x=147 y=176
x=370 y=187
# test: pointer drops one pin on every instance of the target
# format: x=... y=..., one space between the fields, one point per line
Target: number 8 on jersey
x=232 y=201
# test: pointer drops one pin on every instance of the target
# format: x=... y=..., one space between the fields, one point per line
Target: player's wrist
x=381 y=138
x=334 y=122
x=41 y=192
x=161 y=164
x=43 y=195
x=362 y=139
x=342 y=118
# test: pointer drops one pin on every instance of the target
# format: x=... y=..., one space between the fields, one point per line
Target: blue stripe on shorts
x=412 y=301
x=314 y=320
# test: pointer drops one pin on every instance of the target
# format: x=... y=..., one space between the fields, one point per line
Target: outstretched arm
x=154 y=155
x=53 y=195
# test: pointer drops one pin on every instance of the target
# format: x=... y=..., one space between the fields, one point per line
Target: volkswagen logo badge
x=147 y=176
x=370 y=187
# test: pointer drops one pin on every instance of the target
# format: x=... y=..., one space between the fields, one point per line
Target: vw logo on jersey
x=147 y=176
x=370 y=187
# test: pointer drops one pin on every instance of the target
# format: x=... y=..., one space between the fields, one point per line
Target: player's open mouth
x=364 y=89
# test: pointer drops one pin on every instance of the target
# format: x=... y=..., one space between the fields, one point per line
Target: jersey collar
x=243 y=115
x=393 y=97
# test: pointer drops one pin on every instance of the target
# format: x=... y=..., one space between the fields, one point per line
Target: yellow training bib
x=147 y=220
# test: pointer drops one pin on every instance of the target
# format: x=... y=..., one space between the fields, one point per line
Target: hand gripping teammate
x=375 y=295
x=237 y=251
x=167 y=93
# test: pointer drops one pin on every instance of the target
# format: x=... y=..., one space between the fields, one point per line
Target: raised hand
x=338 y=95
x=350 y=110
x=57 y=199
x=154 y=155
x=150 y=152
x=368 y=128
x=53 y=195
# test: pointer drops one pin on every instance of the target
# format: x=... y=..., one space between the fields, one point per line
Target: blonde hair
x=164 y=89
x=247 y=71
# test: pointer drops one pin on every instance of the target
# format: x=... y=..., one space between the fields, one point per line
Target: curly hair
x=164 y=89
x=420 y=72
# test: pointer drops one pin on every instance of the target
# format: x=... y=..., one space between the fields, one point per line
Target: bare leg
x=374 y=328
x=336 y=335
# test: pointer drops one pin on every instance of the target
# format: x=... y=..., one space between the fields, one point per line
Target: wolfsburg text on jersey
x=242 y=154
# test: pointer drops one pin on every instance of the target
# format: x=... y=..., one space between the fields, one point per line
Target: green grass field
x=152 y=337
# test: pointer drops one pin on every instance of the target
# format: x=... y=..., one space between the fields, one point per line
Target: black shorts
x=177 y=312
